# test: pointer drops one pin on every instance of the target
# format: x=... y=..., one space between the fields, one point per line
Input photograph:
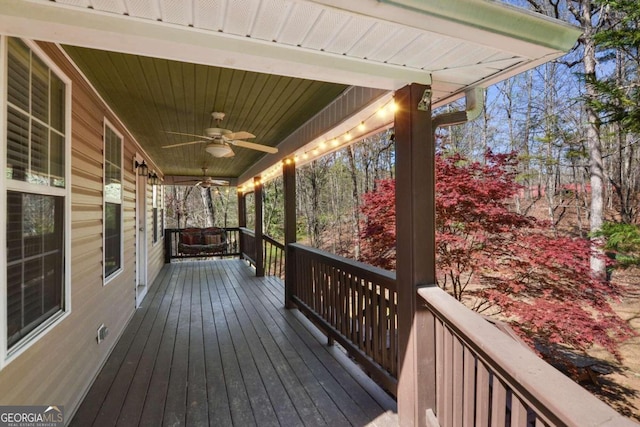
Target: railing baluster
x=483 y=394
x=469 y=387
x=498 y=402
x=518 y=412
x=439 y=353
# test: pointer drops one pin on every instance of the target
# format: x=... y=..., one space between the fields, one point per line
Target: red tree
x=379 y=228
x=492 y=258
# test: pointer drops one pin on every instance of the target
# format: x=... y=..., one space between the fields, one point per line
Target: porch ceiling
x=271 y=65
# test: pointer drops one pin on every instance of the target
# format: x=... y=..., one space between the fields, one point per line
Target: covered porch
x=213 y=345
x=217 y=343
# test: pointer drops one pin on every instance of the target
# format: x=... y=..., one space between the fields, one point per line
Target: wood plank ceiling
x=153 y=96
x=165 y=65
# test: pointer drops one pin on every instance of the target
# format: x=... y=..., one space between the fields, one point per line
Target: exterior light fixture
x=153 y=179
x=142 y=168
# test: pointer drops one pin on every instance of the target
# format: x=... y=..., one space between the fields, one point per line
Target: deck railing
x=355 y=304
x=484 y=377
x=172 y=238
x=273 y=258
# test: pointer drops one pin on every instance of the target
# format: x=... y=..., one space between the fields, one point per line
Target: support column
x=257 y=198
x=242 y=220
x=289 y=185
x=415 y=233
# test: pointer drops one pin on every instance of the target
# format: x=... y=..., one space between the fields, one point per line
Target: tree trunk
x=596 y=170
x=207 y=202
x=356 y=202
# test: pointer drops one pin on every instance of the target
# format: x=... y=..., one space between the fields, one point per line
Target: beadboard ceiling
x=271 y=65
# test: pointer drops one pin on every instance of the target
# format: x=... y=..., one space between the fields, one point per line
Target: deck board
x=213 y=345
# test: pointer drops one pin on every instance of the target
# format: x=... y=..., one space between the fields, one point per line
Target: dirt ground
x=621 y=388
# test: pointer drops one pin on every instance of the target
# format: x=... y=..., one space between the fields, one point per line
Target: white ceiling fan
x=207 y=181
x=219 y=141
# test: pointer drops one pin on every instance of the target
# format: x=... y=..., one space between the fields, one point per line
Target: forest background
x=573 y=126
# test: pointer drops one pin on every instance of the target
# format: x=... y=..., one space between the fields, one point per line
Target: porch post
x=415 y=267
x=242 y=220
x=289 y=185
x=257 y=198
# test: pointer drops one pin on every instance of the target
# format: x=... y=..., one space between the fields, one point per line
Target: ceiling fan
x=219 y=141
x=207 y=181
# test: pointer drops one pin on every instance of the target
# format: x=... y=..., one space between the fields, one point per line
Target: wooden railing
x=273 y=258
x=484 y=377
x=355 y=304
x=172 y=238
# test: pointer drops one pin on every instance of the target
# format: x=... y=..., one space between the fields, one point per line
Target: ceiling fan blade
x=184 y=143
x=238 y=135
x=187 y=134
x=254 y=146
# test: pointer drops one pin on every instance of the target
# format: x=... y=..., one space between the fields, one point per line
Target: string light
x=389 y=107
x=383 y=112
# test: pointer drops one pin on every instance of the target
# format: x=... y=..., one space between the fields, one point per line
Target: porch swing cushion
x=202 y=241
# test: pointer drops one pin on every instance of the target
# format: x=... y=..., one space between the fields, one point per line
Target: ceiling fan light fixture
x=218 y=150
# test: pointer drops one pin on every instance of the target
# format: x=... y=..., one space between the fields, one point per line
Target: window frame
x=107 y=279
x=8 y=355
x=157 y=211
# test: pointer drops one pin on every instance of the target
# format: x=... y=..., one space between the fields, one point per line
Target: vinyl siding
x=59 y=368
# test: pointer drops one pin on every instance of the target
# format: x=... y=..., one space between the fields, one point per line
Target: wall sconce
x=153 y=179
x=142 y=168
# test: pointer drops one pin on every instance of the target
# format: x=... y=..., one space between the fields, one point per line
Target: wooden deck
x=213 y=345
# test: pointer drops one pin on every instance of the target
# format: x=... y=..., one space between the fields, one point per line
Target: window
x=36 y=196
x=35 y=277
x=113 y=242
x=158 y=211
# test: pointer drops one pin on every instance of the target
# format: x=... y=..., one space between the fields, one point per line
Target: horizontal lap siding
x=59 y=368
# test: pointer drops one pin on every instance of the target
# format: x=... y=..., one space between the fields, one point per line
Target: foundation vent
x=103 y=331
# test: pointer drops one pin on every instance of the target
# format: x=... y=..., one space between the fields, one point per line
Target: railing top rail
x=532 y=378
x=247 y=231
x=365 y=271
x=273 y=241
x=180 y=229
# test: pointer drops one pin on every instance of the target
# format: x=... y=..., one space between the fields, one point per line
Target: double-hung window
x=113 y=241
x=157 y=193
x=35 y=192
